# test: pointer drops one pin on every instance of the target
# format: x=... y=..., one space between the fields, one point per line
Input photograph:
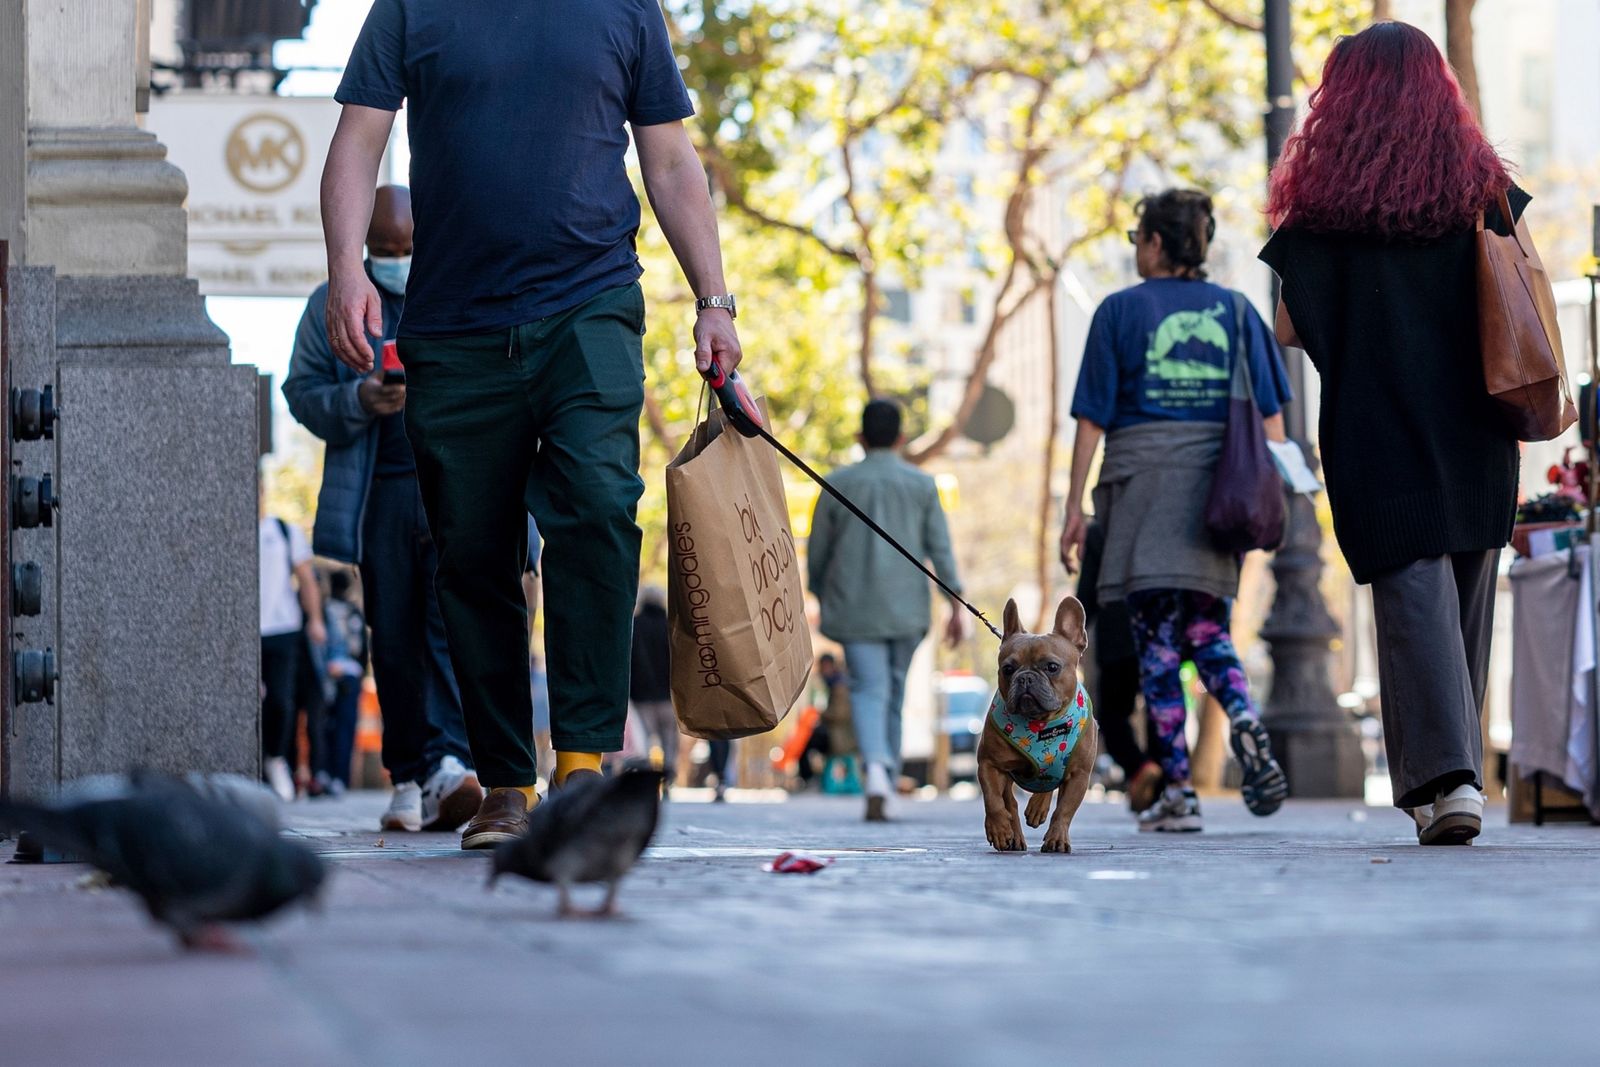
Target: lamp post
x=1313 y=737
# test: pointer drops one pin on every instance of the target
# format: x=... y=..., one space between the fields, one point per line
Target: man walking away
x=291 y=615
x=649 y=683
x=522 y=333
x=369 y=512
x=874 y=603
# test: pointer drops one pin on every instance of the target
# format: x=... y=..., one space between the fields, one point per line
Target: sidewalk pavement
x=1322 y=935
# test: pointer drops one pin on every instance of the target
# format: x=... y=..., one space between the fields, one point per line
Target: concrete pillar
x=151 y=596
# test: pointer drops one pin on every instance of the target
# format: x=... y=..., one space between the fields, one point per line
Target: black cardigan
x=1418 y=464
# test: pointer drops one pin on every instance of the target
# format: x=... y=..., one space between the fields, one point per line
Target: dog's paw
x=1038 y=809
x=1057 y=841
x=1005 y=835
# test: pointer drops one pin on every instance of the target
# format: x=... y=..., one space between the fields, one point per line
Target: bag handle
x=1504 y=204
x=1241 y=356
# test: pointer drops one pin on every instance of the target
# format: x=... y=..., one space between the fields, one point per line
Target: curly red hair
x=1389 y=146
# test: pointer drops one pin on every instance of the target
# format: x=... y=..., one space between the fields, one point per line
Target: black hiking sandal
x=1265 y=788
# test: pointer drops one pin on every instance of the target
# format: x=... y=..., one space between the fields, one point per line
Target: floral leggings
x=1170 y=626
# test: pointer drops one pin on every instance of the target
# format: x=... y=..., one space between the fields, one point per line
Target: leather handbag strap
x=1504 y=204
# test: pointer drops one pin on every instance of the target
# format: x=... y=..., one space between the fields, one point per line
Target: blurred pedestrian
x=1377 y=201
x=1155 y=383
x=873 y=603
x=346 y=663
x=522 y=333
x=291 y=619
x=650 y=682
x=1116 y=678
x=721 y=758
x=369 y=513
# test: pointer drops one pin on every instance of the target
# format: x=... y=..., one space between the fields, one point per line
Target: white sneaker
x=405 y=809
x=450 y=796
x=280 y=778
x=1176 y=812
x=1455 y=818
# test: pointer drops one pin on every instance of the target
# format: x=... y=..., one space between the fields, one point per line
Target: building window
x=897 y=304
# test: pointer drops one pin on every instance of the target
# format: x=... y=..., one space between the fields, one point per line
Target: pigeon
x=591 y=830
x=196 y=858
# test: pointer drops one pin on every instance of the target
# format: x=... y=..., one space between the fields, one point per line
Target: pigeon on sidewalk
x=591 y=830
x=196 y=859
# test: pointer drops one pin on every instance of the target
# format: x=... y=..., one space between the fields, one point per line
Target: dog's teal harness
x=1047 y=744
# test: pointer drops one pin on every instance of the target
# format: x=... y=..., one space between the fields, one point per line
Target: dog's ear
x=1012 y=619
x=1070 y=622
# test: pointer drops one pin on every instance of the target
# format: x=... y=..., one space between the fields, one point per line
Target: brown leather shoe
x=503 y=816
x=1145 y=787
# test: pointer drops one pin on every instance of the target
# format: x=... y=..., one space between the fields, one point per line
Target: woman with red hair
x=1375 y=203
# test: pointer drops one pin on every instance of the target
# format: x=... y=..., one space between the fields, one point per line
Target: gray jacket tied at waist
x=1154 y=482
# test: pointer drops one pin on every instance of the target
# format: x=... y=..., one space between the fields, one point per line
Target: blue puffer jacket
x=321 y=393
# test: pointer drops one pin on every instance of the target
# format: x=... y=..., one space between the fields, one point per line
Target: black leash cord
x=871 y=525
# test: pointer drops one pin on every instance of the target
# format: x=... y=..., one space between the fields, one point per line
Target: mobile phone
x=394 y=372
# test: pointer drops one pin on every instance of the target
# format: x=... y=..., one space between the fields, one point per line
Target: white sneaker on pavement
x=1177 y=811
x=450 y=796
x=405 y=809
x=1455 y=818
x=280 y=778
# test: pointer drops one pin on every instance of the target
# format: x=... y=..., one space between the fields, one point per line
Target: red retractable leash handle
x=741 y=410
x=737 y=403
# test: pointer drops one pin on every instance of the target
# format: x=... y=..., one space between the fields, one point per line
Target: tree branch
x=1238 y=22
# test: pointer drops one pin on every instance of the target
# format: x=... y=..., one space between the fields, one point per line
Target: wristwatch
x=726 y=303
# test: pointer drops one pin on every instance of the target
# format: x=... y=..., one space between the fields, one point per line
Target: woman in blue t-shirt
x=1155 y=382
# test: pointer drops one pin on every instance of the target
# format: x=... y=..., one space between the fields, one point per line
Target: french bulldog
x=1040 y=732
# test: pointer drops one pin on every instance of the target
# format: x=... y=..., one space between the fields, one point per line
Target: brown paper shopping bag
x=741 y=649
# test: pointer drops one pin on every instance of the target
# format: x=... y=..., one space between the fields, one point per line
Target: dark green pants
x=542 y=417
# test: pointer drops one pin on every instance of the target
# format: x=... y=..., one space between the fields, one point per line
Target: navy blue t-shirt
x=516 y=111
x=1163 y=349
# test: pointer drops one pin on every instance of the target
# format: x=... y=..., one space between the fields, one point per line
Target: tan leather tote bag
x=1518 y=335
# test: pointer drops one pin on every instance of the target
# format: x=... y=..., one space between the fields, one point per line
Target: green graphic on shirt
x=1179 y=328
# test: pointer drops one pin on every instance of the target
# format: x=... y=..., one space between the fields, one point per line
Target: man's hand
x=354 y=311
x=380 y=399
x=317 y=631
x=1073 y=535
x=716 y=338
x=955 y=628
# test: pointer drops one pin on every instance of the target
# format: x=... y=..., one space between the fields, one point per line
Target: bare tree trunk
x=869 y=316
x=1458 y=48
x=1381 y=9
x=1046 y=512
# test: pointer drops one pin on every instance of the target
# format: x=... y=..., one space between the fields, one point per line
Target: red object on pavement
x=798 y=863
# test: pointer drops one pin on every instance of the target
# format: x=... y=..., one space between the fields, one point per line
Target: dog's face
x=1039 y=672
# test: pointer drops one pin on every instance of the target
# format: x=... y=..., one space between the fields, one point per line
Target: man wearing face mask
x=369 y=512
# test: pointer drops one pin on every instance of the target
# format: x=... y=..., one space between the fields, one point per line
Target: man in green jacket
x=874 y=603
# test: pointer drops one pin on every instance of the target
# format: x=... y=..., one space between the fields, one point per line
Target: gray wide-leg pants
x=1435 y=620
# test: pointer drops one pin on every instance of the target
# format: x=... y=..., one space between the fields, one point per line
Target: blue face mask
x=391 y=272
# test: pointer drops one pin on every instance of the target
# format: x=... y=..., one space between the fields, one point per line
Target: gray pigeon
x=592 y=830
x=195 y=859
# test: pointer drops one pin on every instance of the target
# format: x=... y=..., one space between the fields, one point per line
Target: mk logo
x=265 y=153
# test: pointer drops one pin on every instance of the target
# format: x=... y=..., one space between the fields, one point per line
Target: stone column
x=151 y=596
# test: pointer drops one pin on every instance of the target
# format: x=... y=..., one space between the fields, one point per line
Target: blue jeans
x=410 y=660
x=877 y=671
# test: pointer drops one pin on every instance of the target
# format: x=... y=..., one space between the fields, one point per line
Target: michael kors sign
x=254 y=164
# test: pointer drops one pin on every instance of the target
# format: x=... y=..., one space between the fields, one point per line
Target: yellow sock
x=529 y=795
x=567 y=762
